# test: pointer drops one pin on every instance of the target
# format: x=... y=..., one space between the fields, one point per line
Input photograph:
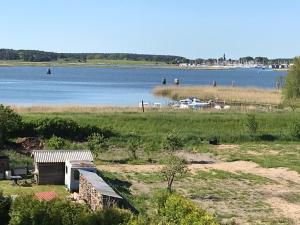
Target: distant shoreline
x=108 y=64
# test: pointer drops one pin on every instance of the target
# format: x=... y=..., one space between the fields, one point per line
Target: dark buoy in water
x=49 y=71
x=164 y=81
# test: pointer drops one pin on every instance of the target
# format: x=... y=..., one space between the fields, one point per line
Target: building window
x=76 y=175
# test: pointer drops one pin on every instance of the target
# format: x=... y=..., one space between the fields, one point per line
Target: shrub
x=251 y=124
x=59 y=127
x=110 y=216
x=57 y=143
x=9 y=123
x=295 y=130
x=172 y=142
x=133 y=146
x=175 y=209
x=28 y=210
x=67 y=128
x=150 y=147
x=97 y=144
x=5 y=203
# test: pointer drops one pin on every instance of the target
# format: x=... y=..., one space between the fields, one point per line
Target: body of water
x=112 y=86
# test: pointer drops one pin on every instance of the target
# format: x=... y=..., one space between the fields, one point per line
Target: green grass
x=222 y=175
x=192 y=126
x=8 y=189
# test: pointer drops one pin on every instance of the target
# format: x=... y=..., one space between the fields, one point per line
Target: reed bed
x=247 y=95
x=71 y=109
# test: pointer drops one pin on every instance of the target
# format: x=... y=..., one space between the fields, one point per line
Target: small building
x=72 y=174
x=4 y=166
x=96 y=192
x=50 y=164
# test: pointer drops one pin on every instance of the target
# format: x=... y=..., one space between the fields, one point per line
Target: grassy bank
x=229 y=94
x=193 y=126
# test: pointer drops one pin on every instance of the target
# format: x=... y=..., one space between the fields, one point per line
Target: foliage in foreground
x=5 y=203
x=169 y=209
x=26 y=210
x=9 y=122
x=173 y=209
x=292 y=85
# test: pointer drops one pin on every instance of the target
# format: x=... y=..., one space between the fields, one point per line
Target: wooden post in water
x=214 y=83
x=143 y=106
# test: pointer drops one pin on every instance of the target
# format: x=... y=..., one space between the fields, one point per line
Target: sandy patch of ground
x=288 y=210
x=227 y=147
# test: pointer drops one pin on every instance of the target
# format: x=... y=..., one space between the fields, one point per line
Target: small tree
x=56 y=143
x=97 y=144
x=295 y=130
x=175 y=167
x=291 y=90
x=149 y=148
x=132 y=147
x=9 y=123
x=172 y=142
x=251 y=124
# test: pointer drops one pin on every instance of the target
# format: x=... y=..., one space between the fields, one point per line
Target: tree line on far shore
x=42 y=56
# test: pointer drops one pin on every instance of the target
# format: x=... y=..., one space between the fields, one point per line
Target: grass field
x=245 y=180
x=232 y=95
x=192 y=126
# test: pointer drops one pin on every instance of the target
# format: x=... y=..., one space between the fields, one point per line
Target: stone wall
x=89 y=194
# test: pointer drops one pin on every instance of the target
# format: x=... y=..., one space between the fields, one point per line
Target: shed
x=50 y=164
x=72 y=173
x=96 y=192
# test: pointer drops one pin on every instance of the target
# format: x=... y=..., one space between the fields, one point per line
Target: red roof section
x=46 y=196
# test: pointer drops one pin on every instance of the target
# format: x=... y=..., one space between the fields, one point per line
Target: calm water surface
x=112 y=86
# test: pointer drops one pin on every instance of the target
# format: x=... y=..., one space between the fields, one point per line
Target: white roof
x=99 y=184
x=57 y=156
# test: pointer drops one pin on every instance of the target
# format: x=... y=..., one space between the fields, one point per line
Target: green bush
x=59 y=127
x=5 y=203
x=132 y=147
x=150 y=147
x=57 y=143
x=9 y=123
x=65 y=128
x=172 y=142
x=174 y=209
x=26 y=210
x=97 y=144
x=110 y=216
x=251 y=124
x=295 y=130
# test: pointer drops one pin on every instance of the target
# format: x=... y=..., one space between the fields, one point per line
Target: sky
x=189 y=28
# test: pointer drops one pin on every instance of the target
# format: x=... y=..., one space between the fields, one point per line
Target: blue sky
x=190 y=28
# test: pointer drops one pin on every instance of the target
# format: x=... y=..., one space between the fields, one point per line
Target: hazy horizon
x=192 y=30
